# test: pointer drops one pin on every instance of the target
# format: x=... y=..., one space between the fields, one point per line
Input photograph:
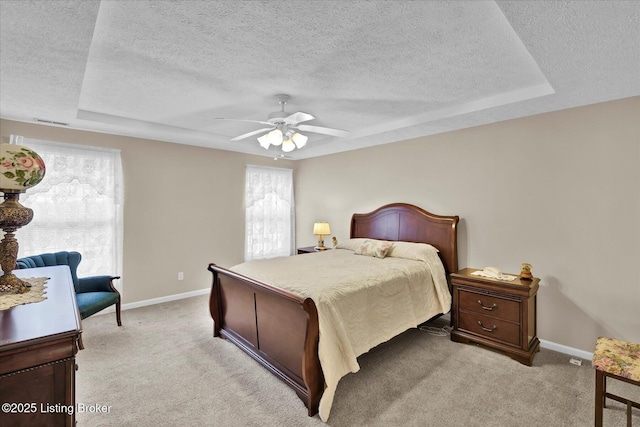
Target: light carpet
x=164 y=368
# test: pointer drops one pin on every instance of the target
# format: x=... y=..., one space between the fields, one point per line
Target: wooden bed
x=280 y=330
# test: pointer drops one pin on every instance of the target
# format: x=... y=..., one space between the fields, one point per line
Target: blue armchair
x=93 y=294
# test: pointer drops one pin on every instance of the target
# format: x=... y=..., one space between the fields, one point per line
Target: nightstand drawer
x=490 y=327
x=489 y=305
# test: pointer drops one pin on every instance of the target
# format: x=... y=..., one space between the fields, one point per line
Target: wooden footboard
x=278 y=329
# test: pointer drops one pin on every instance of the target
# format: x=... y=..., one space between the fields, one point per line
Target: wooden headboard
x=408 y=223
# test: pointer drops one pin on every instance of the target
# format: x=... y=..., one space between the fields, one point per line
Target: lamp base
x=9 y=283
x=320 y=246
x=12 y=216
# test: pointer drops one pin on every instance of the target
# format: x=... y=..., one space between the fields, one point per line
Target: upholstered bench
x=616 y=359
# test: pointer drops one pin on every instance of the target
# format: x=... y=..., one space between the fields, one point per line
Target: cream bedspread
x=362 y=301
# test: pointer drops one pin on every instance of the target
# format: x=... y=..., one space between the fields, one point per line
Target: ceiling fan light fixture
x=282 y=128
x=275 y=137
x=299 y=139
x=288 y=146
x=264 y=141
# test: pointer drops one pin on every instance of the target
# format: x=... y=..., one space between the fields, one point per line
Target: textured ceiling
x=383 y=70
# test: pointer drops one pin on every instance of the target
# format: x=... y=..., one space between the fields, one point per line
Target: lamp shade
x=264 y=141
x=299 y=139
x=20 y=168
x=275 y=137
x=321 y=228
x=288 y=146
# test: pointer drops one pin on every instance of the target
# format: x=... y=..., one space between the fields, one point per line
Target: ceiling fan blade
x=247 y=135
x=326 y=131
x=243 y=120
x=298 y=117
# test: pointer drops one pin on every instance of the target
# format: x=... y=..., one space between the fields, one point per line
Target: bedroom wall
x=559 y=190
x=170 y=224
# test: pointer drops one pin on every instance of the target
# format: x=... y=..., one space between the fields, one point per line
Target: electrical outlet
x=181 y=276
x=575 y=361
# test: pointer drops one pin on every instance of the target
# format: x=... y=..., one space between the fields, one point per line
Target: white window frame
x=106 y=259
x=269 y=212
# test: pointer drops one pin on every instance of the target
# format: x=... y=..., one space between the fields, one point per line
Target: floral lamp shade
x=20 y=168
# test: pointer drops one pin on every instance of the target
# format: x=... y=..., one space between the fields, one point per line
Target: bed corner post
x=311 y=369
x=214 y=301
x=453 y=263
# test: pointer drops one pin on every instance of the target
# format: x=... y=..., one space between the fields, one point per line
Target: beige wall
x=183 y=208
x=559 y=190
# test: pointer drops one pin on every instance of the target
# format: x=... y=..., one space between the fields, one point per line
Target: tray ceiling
x=384 y=70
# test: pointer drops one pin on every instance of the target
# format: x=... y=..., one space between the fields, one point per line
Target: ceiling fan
x=283 y=128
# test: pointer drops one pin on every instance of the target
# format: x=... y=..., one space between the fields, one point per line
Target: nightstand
x=496 y=313
x=307 y=250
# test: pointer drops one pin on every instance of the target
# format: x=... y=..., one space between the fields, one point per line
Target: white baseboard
x=168 y=298
x=549 y=345
x=584 y=355
x=154 y=301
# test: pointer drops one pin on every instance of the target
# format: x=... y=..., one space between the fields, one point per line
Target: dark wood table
x=309 y=250
x=495 y=313
x=38 y=344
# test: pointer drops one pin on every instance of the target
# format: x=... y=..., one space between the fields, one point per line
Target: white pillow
x=374 y=248
x=410 y=250
x=351 y=244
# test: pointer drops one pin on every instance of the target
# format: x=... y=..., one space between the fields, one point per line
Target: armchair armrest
x=96 y=284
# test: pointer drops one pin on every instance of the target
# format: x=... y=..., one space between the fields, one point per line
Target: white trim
x=248 y=166
x=27 y=141
x=584 y=355
x=155 y=301
x=168 y=298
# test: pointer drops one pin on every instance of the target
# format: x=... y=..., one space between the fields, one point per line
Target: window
x=77 y=207
x=269 y=213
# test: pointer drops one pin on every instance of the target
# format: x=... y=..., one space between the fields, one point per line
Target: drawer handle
x=493 y=328
x=484 y=307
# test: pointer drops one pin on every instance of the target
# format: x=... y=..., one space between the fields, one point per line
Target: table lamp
x=20 y=168
x=321 y=229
